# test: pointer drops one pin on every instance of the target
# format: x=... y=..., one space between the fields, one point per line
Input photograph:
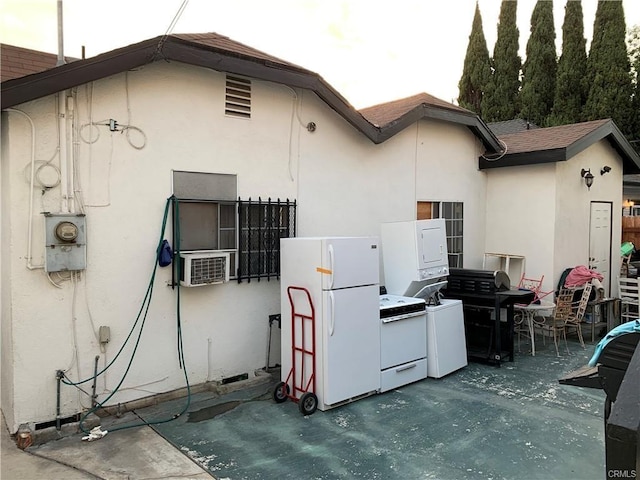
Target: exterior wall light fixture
x=605 y=169
x=588 y=177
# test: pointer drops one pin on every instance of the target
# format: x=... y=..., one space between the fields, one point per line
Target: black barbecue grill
x=618 y=374
x=484 y=293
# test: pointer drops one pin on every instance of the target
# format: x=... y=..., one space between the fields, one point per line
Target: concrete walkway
x=137 y=453
x=481 y=422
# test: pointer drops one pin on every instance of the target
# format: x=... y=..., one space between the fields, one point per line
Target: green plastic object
x=627 y=248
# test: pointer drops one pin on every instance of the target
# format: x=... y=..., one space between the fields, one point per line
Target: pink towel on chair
x=580 y=276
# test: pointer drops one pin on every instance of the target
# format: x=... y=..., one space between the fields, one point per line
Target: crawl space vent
x=238 y=97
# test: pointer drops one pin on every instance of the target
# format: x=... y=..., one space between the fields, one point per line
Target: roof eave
x=57 y=79
x=524 y=158
x=472 y=121
x=15 y=92
x=21 y=90
x=608 y=130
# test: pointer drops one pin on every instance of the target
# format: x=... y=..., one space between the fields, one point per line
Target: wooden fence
x=631 y=230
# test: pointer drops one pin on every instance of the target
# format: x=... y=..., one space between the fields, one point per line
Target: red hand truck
x=307 y=401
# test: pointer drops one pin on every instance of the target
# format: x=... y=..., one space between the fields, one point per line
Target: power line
x=171 y=27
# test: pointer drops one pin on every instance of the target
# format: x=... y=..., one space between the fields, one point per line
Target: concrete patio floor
x=481 y=422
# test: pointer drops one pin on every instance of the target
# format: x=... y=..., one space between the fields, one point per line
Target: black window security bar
x=261 y=226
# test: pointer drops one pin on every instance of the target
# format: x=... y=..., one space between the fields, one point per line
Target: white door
x=600 y=241
x=351 y=337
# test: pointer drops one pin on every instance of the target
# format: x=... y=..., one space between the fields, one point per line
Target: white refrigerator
x=341 y=276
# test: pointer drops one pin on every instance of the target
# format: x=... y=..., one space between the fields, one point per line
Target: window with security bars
x=453 y=213
x=261 y=226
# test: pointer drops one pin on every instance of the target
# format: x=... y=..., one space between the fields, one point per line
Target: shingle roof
x=224 y=43
x=385 y=113
x=511 y=126
x=16 y=62
x=217 y=52
x=549 y=138
x=558 y=144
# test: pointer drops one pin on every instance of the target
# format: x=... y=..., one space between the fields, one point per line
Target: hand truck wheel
x=308 y=403
x=281 y=392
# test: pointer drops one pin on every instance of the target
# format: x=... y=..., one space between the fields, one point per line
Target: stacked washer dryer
x=416 y=265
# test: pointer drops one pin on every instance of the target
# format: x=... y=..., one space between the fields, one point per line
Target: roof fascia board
x=630 y=157
x=475 y=124
x=609 y=130
x=271 y=72
x=589 y=139
x=525 y=158
x=58 y=79
x=15 y=92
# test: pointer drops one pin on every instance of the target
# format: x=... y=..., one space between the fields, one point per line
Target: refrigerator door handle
x=330 y=265
x=332 y=317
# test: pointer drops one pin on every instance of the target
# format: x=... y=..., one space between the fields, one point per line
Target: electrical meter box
x=65 y=242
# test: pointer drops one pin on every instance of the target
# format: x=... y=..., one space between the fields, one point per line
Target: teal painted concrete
x=481 y=422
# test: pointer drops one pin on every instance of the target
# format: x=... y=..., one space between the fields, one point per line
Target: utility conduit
x=30 y=266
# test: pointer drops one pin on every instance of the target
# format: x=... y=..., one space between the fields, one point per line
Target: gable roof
x=386 y=113
x=558 y=144
x=18 y=62
x=397 y=115
x=217 y=52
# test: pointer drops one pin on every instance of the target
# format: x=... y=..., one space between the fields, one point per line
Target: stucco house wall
x=449 y=173
x=542 y=211
x=521 y=204
x=574 y=205
x=344 y=185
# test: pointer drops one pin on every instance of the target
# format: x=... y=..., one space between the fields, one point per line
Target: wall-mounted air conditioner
x=204 y=268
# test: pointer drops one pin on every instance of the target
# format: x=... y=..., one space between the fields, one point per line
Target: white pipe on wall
x=64 y=172
x=30 y=266
x=71 y=149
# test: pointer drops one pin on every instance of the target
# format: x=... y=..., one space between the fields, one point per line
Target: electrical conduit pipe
x=30 y=266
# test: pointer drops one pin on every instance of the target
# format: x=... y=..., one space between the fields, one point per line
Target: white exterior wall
x=573 y=206
x=344 y=185
x=448 y=171
x=6 y=344
x=521 y=218
x=542 y=212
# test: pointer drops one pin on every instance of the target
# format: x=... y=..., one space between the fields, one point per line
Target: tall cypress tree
x=610 y=87
x=539 y=69
x=633 y=44
x=476 y=71
x=501 y=99
x=571 y=87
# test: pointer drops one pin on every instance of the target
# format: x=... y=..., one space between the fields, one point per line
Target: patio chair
x=567 y=316
x=554 y=326
x=629 y=298
x=535 y=285
x=575 y=319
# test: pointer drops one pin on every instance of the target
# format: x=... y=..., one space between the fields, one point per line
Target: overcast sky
x=371 y=51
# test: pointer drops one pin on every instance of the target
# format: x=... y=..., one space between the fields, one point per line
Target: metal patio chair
x=629 y=293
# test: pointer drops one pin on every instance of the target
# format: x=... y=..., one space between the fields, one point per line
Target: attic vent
x=238 y=97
